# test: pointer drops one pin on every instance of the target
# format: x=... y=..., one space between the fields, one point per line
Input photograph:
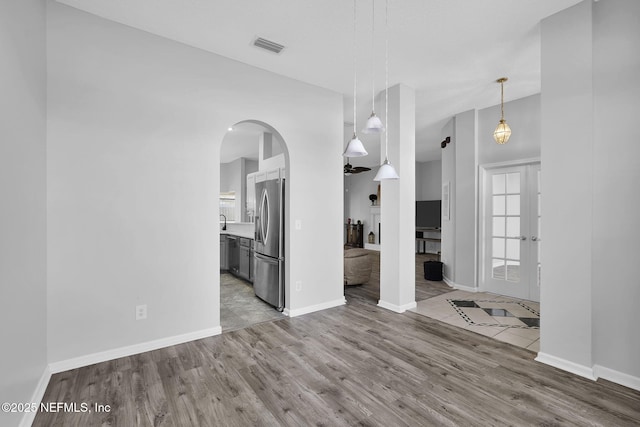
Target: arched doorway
x=254 y=161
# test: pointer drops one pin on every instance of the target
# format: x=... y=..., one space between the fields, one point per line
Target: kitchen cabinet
x=251 y=262
x=224 y=252
x=233 y=254
x=236 y=256
x=245 y=258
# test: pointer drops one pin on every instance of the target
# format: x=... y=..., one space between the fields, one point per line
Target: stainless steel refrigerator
x=268 y=261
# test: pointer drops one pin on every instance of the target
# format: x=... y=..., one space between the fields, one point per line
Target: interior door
x=511 y=231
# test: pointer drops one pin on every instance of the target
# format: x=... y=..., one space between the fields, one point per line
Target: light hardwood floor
x=356 y=364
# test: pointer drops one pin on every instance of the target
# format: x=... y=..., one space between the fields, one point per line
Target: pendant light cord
x=355 y=72
x=386 y=78
x=501 y=101
x=373 y=62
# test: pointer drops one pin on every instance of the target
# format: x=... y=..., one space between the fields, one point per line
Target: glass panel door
x=507 y=253
x=505 y=230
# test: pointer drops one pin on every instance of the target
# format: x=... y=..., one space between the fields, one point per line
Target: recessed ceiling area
x=450 y=51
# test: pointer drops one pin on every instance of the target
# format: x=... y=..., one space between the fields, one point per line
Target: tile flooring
x=239 y=307
x=506 y=319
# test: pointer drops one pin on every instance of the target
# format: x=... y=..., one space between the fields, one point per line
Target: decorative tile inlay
x=496 y=313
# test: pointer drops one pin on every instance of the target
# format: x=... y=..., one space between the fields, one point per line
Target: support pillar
x=397 y=205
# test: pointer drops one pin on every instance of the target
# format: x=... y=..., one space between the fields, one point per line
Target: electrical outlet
x=298 y=285
x=141 y=312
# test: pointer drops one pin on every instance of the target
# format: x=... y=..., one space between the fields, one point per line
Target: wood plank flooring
x=351 y=365
x=425 y=289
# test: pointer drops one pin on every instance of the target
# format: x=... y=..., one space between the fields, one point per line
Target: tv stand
x=428 y=240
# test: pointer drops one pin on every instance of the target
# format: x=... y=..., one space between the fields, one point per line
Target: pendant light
x=386 y=170
x=503 y=131
x=374 y=124
x=355 y=148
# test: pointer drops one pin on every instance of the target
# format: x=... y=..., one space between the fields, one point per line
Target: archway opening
x=254 y=236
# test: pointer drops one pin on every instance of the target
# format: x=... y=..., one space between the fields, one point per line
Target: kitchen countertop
x=248 y=235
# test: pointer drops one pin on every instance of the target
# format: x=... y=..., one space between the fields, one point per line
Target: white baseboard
x=310 y=309
x=454 y=285
x=38 y=394
x=617 y=377
x=465 y=288
x=565 y=365
x=103 y=356
x=397 y=308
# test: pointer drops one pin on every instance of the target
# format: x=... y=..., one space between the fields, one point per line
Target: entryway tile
x=507 y=319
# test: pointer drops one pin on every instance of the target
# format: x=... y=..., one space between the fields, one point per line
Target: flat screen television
x=429 y=214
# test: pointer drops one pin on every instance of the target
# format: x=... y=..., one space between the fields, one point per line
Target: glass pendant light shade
x=502 y=132
x=355 y=148
x=386 y=171
x=374 y=124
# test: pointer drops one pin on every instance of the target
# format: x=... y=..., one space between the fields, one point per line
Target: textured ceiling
x=449 y=51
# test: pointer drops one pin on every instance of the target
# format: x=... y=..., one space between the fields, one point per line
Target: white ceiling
x=450 y=51
x=242 y=140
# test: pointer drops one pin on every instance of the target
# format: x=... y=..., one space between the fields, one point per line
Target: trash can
x=433 y=270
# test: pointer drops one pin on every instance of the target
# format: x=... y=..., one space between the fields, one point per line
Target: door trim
x=520 y=162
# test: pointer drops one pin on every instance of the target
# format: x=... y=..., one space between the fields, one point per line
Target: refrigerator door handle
x=264 y=221
x=258 y=219
x=265 y=258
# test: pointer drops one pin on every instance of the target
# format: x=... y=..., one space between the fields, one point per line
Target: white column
x=567 y=182
x=397 y=207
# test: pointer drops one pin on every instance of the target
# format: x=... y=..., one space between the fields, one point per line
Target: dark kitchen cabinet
x=233 y=254
x=245 y=259
x=224 y=253
x=236 y=256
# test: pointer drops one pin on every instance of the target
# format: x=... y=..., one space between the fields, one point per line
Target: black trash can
x=433 y=270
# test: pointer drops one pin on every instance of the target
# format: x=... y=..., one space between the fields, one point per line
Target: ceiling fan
x=350 y=170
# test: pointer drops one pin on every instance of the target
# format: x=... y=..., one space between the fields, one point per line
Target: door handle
x=535 y=239
x=523 y=237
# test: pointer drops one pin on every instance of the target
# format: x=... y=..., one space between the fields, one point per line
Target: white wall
x=464 y=216
x=616 y=169
x=429 y=180
x=23 y=200
x=523 y=116
x=472 y=145
x=567 y=178
x=358 y=187
x=459 y=167
x=233 y=178
x=270 y=153
x=448 y=231
x=135 y=127
x=591 y=171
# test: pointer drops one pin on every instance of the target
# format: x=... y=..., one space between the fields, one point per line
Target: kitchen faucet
x=224 y=227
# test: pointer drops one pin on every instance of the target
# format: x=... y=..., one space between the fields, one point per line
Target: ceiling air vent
x=268 y=45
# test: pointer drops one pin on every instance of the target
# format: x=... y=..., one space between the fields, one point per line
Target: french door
x=511 y=231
